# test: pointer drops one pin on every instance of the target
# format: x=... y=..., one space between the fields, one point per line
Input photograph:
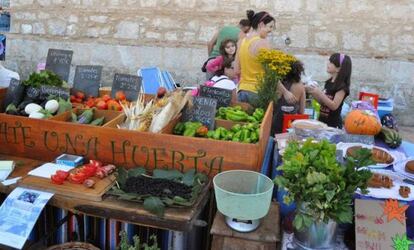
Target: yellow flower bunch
x=276 y=61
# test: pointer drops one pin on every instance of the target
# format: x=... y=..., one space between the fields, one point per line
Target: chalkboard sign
x=203 y=110
x=15 y=93
x=46 y=91
x=58 y=61
x=88 y=79
x=223 y=96
x=129 y=84
x=5 y=22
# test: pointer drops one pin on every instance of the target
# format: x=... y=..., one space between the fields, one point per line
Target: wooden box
x=109 y=115
x=46 y=139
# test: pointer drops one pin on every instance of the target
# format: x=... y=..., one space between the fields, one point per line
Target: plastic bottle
x=316 y=107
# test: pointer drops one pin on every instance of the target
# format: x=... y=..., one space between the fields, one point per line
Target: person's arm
x=302 y=102
x=289 y=97
x=211 y=43
x=323 y=99
x=214 y=64
x=237 y=70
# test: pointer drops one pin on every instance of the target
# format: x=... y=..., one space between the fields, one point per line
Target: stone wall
x=124 y=35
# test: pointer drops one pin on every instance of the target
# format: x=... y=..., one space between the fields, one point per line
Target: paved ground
x=407 y=133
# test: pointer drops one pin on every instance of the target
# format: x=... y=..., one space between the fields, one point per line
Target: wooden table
x=176 y=219
x=266 y=237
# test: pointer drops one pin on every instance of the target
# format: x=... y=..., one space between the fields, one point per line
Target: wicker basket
x=74 y=246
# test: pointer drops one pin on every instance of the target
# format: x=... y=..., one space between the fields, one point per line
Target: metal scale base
x=242 y=226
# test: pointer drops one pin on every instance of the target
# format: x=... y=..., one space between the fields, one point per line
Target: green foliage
x=321 y=187
x=45 y=77
x=124 y=244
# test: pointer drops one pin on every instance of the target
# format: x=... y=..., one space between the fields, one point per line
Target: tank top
x=332 y=117
x=250 y=68
x=227 y=32
x=283 y=107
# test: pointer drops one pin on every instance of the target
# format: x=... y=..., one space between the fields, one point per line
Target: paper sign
x=372 y=229
x=18 y=215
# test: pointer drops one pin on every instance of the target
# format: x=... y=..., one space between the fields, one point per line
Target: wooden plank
x=3 y=92
x=178 y=219
x=78 y=191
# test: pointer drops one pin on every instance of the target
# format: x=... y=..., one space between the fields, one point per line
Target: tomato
x=102 y=105
x=89 y=170
x=120 y=95
x=95 y=163
x=77 y=178
x=106 y=98
x=80 y=95
x=57 y=179
x=62 y=174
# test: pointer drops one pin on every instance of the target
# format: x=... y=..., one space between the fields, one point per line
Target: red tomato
x=106 y=98
x=57 y=179
x=62 y=174
x=89 y=170
x=77 y=178
x=95 y=163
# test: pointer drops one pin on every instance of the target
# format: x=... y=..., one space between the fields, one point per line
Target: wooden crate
x=109 y=116
x=46 y=139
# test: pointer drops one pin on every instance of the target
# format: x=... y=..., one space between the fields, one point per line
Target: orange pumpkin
x=362 y=122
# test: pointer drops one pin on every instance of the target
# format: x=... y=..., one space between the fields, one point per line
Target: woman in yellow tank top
x=247 y=64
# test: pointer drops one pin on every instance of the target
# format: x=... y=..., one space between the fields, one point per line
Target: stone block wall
x=123 y=35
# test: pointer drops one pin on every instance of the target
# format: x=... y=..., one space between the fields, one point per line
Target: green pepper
x=236 y=128
x=237 y=107
x=216 y=134
x=229 y=135
x=258 y=114
x=245 y=135
x=179 y=129
x=191 y=132
x=247 y=140
x=223 y=133
x=237 y=135
x=210 y=134
x=236 y=139
x=251 y=126
x=237 y=115
x=253 y=136
x=222 y=112
x=251 y=119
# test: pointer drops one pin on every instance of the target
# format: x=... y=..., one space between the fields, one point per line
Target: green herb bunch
x=321 y=187
x=45 y=77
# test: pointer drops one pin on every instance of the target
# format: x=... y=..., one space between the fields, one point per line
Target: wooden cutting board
x=78 y=191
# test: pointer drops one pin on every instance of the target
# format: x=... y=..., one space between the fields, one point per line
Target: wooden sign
x=88 y=79
x=203 y=110
x=373 y=230
x=223 y=96
x=15 y=93
x=129 y=84
x=46 y=91
x=58 y=61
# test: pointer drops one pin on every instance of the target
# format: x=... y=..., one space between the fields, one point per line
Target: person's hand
x=313 y=90
x=289 y=97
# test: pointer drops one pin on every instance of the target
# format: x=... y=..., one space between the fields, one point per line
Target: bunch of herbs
x=322 y=188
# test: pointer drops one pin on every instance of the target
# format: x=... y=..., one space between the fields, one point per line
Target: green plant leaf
x=134 y=172
x=122 y=175
x=298 y=222
x=128 y=196
x=154 y=205
x=188 y=178
x=167 y=174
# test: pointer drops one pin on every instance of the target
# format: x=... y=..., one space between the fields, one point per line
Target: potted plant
x=322 y=189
